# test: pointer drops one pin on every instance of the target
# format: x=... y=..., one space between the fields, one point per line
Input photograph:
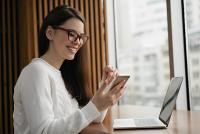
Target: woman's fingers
x=102 y=86
x=103 y=98
x=116 y=93
x=110 y=74
x=120 y=94
x=106 y=85
x=108 y=68
x=114 y=98
x=117 y=88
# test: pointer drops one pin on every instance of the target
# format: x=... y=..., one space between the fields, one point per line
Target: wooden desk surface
x=182 y=122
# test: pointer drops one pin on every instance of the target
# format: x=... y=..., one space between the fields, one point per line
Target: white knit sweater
x=42 y=104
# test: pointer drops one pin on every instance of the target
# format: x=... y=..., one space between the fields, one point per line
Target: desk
x=182 y=122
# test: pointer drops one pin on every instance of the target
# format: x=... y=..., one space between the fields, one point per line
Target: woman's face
x=66 y=39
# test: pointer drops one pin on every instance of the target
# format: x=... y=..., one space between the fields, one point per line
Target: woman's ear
x=50 y=32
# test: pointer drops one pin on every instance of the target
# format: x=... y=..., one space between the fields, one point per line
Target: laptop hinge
x=163 y=122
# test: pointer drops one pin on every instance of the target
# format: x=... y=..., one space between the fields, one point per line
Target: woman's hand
x=104 y=100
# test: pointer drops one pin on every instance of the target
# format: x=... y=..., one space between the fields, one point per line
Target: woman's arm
x=38 y=106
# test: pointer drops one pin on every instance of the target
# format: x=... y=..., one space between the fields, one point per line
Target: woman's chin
x=71 y=57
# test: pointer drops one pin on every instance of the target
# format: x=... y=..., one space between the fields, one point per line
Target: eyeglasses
x=73 y=35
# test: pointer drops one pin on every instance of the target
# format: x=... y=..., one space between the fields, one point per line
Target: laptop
x=165 y=113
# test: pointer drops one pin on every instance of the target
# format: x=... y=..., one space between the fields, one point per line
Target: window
x=195 y=62
x=140 y=38
x=193 y=50
x=142 y=49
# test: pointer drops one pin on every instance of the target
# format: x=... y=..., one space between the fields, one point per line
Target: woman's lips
x=72 y=49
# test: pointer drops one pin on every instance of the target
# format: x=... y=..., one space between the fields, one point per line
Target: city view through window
x=193 y=47
x=142 y=50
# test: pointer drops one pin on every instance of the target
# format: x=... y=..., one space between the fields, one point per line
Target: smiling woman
x=19 y=48
x=50 y=94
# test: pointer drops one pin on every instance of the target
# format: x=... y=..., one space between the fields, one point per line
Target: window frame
x=179 y=40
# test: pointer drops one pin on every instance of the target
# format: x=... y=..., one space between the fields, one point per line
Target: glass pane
x=193 y=49
x=142 y=49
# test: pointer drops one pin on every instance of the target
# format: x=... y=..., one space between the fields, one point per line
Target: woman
x=49 y=96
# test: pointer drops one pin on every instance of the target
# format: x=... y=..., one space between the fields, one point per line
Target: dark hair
x=71 y=70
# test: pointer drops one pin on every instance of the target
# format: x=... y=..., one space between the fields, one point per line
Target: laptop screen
x=170 y=99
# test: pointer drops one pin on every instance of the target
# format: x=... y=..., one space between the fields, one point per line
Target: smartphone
x=116 y=81
x=119 y=79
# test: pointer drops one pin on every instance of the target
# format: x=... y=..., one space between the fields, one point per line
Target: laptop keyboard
x=146 y=122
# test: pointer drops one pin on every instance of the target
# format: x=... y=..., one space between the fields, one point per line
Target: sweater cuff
x=90 y=111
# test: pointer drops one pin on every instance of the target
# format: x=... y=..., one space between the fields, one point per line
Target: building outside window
x=142 y=49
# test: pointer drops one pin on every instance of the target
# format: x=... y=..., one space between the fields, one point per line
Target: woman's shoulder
x=34 y=71
x=39 y=69
x=35 y=66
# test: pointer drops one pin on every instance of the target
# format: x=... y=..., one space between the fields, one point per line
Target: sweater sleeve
x=101 y=117
x=38 y=106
